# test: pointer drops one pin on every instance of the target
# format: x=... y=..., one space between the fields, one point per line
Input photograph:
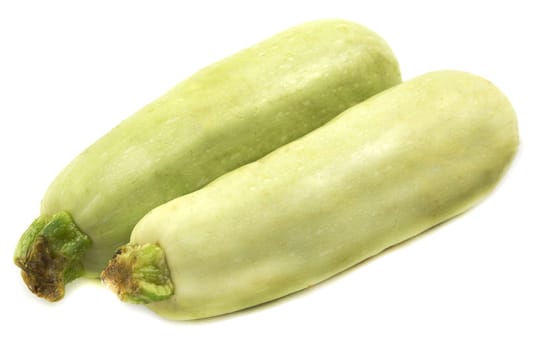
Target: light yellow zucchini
x=223 y=117
x=380 y=173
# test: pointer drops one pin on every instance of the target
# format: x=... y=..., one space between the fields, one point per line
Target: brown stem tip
x=139 y=274
x=50 y=255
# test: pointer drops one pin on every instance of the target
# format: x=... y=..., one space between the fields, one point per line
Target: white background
x=70 y=71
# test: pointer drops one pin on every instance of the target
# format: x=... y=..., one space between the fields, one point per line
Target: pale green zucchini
x=380 y=173
x=224 y=116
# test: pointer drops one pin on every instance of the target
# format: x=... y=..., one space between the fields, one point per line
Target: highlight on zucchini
x=380 y=173
x=224 y=116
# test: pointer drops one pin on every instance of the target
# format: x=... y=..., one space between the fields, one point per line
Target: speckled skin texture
x=224 y=116
x=380 y=173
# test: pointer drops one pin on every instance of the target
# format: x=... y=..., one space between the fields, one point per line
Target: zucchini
x=224 y=116
x=378 y=174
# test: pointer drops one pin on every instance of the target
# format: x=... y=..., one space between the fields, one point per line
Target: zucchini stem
x=139 y=274
x=50 y=255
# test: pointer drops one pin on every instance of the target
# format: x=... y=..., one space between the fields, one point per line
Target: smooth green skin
x=224 y=116
x=380 y=173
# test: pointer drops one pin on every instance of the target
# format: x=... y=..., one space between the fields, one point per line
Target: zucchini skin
x=378 y=174
x=224 y=116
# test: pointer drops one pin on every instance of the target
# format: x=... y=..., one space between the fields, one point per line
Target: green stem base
x=50 y=255
x=138 y=274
